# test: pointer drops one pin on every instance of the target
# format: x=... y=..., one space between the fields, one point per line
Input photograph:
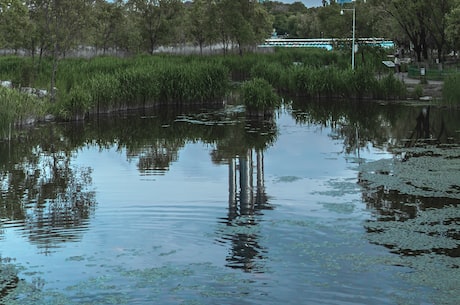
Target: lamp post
x=353 y=39
x=354 y=27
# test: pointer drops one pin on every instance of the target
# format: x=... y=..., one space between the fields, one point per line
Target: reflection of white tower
x=244 y=170
x=246 y=182
x=232 y=208
x=260 y=196
x=245 y=249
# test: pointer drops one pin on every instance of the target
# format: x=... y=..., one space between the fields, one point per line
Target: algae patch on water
x=426 y=171
x=415 y=197
x=433 y=230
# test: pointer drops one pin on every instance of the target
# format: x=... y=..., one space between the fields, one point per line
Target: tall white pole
x=353 y=41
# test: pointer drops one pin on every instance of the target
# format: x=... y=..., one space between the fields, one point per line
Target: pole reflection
x=245 y=205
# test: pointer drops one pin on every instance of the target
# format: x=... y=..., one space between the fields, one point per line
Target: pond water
x=211 y=207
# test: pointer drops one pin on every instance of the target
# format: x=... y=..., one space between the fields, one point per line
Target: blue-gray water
x=199 y=221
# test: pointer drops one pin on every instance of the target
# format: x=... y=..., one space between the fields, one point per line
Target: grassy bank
x=105 y=84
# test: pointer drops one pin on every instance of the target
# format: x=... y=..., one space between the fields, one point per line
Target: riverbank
x=431 y=89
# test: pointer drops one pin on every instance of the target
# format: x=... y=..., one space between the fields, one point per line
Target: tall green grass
x=143 y=82
x=259 y=95
x=104 y=84
x=19 y=108
x=451 y=90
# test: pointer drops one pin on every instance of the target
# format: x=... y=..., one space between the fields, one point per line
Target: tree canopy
x=55 y=27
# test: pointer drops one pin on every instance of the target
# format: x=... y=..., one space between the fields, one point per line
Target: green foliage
x=418 y=91
x=451 y=90
x=17 y=108
x=105 y=84
x=191 y=83
x=390 y=88
x=258 y=94
x=76 y=105
x=270 y=71
x=139 y=82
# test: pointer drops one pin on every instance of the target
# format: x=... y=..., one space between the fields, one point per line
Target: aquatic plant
x=418 y=91
x=76 y=105
x=451 y=90
x=142 y=81
x=259 y=96
x=389 y=87
x=19 y=108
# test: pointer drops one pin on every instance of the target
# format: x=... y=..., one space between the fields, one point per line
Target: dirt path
x=431 y=89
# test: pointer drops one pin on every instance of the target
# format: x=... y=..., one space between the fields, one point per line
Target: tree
x=424 y=23
x=436 y=24
x=60 y=26
x=156 y=19
x=453 y=26
x=106 y=20
x=410 y=15
x=14 y=24
x=201 y=24
x=243 y=22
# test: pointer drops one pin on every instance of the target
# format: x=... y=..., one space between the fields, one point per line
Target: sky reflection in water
x=188 y=234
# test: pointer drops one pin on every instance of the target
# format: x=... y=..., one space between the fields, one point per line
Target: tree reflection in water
x=416 y=194
x=43 y=194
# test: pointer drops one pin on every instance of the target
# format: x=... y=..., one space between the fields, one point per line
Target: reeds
x=105 y=84
x=19 y=108
x=259 y=95
x=389 y=87
x=144 y=82
x=451 y=90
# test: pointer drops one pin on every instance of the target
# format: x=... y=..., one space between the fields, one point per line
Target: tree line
x=431 y=29
x=54 y=27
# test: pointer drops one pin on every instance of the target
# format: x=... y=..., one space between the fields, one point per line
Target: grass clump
x=451 y=90
x=19 y=108
x=259 y=96
x=389 y=87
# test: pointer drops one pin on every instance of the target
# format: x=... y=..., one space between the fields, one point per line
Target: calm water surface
x=205 y=208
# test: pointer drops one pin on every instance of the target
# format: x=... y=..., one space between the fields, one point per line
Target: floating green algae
x=432 y=171
x=339 y=187
x=339 y=208
x=426 y=182
x=433 y=230
x=287 y=179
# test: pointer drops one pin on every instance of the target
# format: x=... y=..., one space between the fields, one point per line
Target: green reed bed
x=19 y=108
x=104 y=84
x=330 y=82
x=144 y=83
x=259 y=96
x=451 y=90
x=389 y=87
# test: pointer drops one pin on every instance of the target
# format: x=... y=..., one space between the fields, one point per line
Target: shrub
x=76 y=105
x=451 y=90
x=18 y=107
x=259 y=95
x=390 y=88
